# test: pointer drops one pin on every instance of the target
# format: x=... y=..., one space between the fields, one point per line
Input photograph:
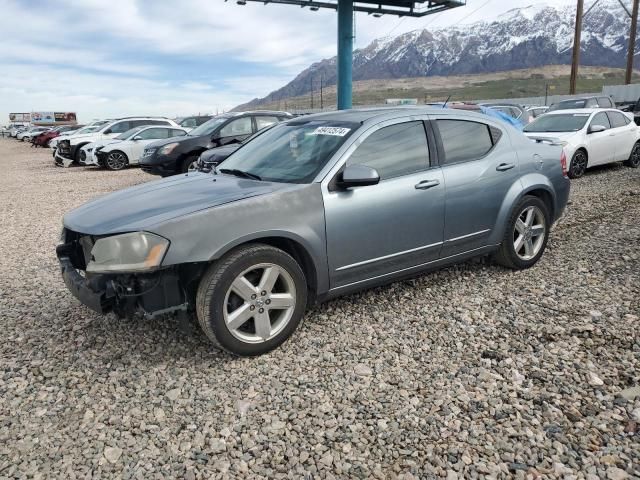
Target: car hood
x=143 y=206
x=219 y=152
x=101 y=143
x=562 y=136
x=182 y=139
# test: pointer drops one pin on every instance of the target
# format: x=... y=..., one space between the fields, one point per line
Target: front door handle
x=427 y=184
x=503 y=167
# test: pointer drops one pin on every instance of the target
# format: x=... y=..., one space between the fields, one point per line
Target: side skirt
x=406 y=273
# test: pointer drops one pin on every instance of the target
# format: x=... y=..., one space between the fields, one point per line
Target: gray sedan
x=316 y=207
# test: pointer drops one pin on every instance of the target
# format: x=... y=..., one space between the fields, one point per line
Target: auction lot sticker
x=335 y=131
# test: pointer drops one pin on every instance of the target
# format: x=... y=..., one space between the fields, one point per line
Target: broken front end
x=122 y=273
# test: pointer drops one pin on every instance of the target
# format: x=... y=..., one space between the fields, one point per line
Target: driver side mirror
x=136 y=138
x=596 y=129
x=358 y=176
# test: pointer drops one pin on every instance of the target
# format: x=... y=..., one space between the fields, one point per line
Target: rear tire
x=252 y=300
x=526 y=234
x=634 y=158
x=578 y=165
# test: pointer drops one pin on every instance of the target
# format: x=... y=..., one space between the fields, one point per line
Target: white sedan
x=126 y=148
x=590 y=137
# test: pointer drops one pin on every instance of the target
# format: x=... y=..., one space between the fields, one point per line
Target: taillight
x=563 y=163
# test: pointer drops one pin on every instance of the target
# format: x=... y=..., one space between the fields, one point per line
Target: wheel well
x=582 y=149
x=300 y=255
x=546 y=197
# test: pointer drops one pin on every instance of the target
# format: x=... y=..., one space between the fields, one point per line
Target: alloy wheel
x=193 y=166
x=578 y=164
x=259 y=303
x=529 y=232
x=116 y=161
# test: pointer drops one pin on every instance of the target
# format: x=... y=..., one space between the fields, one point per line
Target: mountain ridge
x=527 y=37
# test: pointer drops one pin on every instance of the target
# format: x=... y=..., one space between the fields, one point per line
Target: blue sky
x=106 y=58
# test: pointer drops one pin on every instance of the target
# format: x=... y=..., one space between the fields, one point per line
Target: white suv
x=68 y=150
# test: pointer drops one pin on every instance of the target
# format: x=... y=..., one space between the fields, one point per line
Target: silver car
x=317 y=207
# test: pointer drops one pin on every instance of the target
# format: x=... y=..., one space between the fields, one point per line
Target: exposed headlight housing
x=168 y=148
x=128 y=252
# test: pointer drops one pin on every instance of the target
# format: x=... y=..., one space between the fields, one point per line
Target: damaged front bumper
x=126 y=294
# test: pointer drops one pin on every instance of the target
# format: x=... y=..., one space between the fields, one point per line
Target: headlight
x=168 y=148
x=129 y=252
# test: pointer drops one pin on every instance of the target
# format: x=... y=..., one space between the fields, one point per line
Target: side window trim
x=442 y=159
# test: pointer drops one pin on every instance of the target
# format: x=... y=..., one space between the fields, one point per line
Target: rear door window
x=616 y=119
x=464 y=140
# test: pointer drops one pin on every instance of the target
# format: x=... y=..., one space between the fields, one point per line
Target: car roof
x=362 y=115
x=582 y=111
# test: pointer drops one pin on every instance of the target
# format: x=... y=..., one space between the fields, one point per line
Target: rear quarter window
x=616 y=119
x=465 y=140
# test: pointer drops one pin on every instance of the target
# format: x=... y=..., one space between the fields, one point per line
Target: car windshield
x=568 y=105
x=292 y=152
x=570 y=122
x=208 y=127
x=85 y=130
x=129 y=133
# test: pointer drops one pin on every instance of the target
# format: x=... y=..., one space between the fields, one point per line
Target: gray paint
x=355 y=238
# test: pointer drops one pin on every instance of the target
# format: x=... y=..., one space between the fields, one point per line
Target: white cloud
x=118 y=57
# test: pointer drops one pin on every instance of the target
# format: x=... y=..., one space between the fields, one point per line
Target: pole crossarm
x=402 y=8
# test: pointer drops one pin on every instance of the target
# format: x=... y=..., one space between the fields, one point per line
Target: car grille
x=64 y=147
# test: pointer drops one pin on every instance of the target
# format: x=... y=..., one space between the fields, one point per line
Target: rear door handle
x=503 y=167
x=427 y=184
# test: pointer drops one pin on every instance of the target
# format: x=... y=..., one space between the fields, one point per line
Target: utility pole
x=632 y=42
x=321 y=99
x=311 y=90
x=575 y=61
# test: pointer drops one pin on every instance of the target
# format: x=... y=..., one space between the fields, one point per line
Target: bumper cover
x=92 y=293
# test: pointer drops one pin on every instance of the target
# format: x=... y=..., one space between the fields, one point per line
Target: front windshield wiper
x=240 y=173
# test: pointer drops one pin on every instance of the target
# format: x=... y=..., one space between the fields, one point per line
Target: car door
x=376 y=230
x=600 y=145
x=479 y=168
x=234 y=131
x=623 y=135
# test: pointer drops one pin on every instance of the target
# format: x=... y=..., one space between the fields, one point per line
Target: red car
x=44 y=138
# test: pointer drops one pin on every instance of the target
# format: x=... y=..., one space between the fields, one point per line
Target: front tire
x=526 y=234
x=116 y=160
x=579 y=163
x=634 y=158
x=252 y=300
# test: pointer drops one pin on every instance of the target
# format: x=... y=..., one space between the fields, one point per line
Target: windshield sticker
x=335 y=131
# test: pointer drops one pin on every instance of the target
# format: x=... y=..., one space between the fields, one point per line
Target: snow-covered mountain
x=533 y=36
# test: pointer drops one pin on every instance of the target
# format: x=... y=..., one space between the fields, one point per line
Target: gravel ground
x=470 y=372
